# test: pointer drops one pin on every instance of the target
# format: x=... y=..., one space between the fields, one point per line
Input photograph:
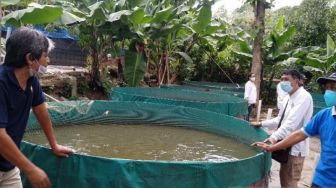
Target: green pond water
x=146 y=142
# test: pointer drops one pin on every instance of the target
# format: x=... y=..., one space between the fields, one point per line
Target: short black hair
x=250 y=74
x=23 y=41
x=294 y=73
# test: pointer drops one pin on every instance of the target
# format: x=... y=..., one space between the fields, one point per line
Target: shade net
x=319 y=102
x=216 y=85
x=205 y=90
x=215 y=102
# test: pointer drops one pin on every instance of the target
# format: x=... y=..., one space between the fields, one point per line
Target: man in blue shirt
x=20 y=91
x=323 y=125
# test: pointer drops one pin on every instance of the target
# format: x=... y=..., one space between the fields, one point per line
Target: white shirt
x=250 y=93
x=281 y=94
x=298 y=113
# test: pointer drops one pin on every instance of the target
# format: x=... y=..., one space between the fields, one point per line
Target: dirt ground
x=309 y=164
x=308 y=167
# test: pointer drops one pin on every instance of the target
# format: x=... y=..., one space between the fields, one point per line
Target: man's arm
x=293 y=120
x=11 y=152
x=291 y=140
x=41 y=113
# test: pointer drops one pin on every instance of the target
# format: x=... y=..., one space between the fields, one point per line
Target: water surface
x=146 y=142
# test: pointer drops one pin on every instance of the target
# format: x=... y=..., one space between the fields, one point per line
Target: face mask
x=41 y=70
x=330 y=98
x=286 y=86
x=252 y=79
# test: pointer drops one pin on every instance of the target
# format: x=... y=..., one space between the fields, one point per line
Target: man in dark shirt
x=26 y=56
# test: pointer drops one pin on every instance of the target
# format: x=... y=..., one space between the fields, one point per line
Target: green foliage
x=314 y=20
x=185 y=56
x=106 y=82
x=203 y=19
x=5 y=3
x=275 y=42
x=323 y=64
x=135 y=65
x=68 y=18
x=162 y=15
x=34 y=14
x=83 y=87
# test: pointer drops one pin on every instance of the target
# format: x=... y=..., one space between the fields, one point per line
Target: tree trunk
x=270 y=86
x=95 y=77
x=259 y=13
x=167 y=66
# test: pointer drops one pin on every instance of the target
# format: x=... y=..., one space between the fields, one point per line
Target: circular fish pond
x=134 y=144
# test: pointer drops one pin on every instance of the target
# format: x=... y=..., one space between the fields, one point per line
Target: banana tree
x=274 y=45
x=135 y=64
x=275 y=48
x=322 y=64
x=157 y=25
x=95 y=34
x=201 y=34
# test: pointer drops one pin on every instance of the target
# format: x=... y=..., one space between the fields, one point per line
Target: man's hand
x=62 y=151
x=38 y=178
x=265 y=145
x=270 y=140
x=262 y=145
x=256 y=124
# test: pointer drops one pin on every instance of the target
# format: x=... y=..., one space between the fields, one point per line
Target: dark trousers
x=249 y=110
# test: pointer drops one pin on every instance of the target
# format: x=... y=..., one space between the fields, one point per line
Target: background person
x=250 y=94
x=281 y=94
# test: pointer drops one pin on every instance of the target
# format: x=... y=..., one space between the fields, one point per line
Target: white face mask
x=252 y=79
x=41 y=70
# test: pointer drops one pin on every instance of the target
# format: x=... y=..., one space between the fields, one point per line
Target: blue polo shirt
x=15 y=105
x=324 y=124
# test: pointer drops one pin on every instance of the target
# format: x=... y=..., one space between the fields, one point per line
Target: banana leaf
x=33 y=14
x=135 y=66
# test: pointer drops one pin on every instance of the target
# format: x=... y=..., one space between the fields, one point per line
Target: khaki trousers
x=290 y=172
x=10 y=179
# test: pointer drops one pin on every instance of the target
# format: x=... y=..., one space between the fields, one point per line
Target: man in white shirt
x=297 y=110
x=250 y=94
x=281 y=94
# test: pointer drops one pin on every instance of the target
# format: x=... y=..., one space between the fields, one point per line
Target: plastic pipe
x=269 y=113
x=258 y=111
x=50 y=97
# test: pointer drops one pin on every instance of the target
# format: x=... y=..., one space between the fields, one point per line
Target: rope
x=222 y=70
x=50 y=97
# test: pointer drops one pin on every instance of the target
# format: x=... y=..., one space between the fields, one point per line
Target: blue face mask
x=286 y=86
x=330 y=98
